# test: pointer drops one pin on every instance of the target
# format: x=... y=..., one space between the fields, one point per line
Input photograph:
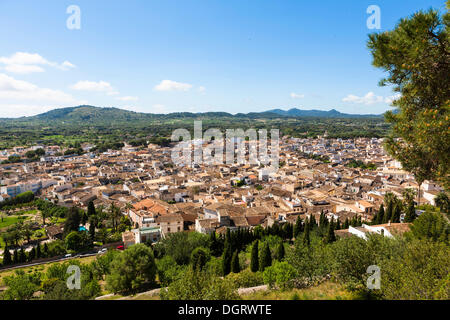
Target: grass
x=325 y=291
x=8 y=221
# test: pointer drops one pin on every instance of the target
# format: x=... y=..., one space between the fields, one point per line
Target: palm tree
x=442 y=201
x=128 y=207
x=44 y=215
x=115 y=215
x=27 y=231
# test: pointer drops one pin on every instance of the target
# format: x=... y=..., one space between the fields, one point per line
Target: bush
x=280 y=274
x=200 y=285
x=420 y=271
x=246 y=278
x=132 y=269
x=168 y=270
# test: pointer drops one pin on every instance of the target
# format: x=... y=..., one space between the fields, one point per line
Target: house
x=387 y=229
x=54 y=232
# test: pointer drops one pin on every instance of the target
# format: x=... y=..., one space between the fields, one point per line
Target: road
x=50 y=261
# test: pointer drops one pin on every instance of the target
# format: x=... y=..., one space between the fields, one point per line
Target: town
x=344 y=180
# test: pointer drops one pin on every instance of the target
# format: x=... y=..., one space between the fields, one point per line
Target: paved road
x=50 y=261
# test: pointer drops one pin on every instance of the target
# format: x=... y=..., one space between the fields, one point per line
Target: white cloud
x=369 y=98
x=127 y=98
x=13 y=89
x=297 y=96
x=67 y=65
x=24 y=63
x=23 y=98
x=23 y=68
x=202 y=89
x=23 y=110
x=100 y=86
x=169 y=85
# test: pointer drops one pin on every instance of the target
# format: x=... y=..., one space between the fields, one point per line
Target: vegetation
x=415 y=56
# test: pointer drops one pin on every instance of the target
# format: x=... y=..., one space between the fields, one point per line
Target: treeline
x=22 y=198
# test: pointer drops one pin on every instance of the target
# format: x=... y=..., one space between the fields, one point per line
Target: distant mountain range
x=333 y=113
x=92 y=114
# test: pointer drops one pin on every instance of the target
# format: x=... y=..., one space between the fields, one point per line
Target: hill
x=94 y=115
x=333 y=113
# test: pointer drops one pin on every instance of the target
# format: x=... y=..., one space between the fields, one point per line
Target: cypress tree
x=280 y=251
x=235 y=263
x=84 y=218
x=331 y=237
x=38 y=250
x=297 y=227
x=32 y=254
x=6 y=257
x=388 y=213
x=199 y=258
x=380 y=215
x=265 y=260
x=46 y=250
x=22 y=256
x=346 y=224
x=312 y=222
x=92 y=231
x=254 y=261
x=306 y=239
x=410 y=213
x=321 y=219
x=396 y=214
x=226 y=259
x=91 y=209
x=338 y=224
x=15 y=256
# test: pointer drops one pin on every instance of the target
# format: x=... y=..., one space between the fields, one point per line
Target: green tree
x=443 y=202
x=21 y=286
x=330 y=237
x=7 y=257
x=280 y=274
x=91 y=209
x=199 y=285
x=380 y=215
x=431 y=225
x=38 y=251
x=306 y=236
x=265 y=259
x=254 y=260
x=396 y=214
x=297 y=227
x=73 y=220
x=226 y=259
x=419 y=269
x=280 y=253
x=132 y=269
x=235 y=268
x=22 y=256
x=199 y=257
x=416 y=57
x=32 y=254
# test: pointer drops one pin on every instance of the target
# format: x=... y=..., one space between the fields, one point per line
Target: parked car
x=68 y=255
x=120 y=248
x=102 y=250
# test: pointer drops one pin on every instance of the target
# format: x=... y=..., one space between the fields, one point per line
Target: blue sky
x=193 y=55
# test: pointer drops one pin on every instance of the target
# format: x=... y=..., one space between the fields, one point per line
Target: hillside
x=111 y=125
x=333 y=113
